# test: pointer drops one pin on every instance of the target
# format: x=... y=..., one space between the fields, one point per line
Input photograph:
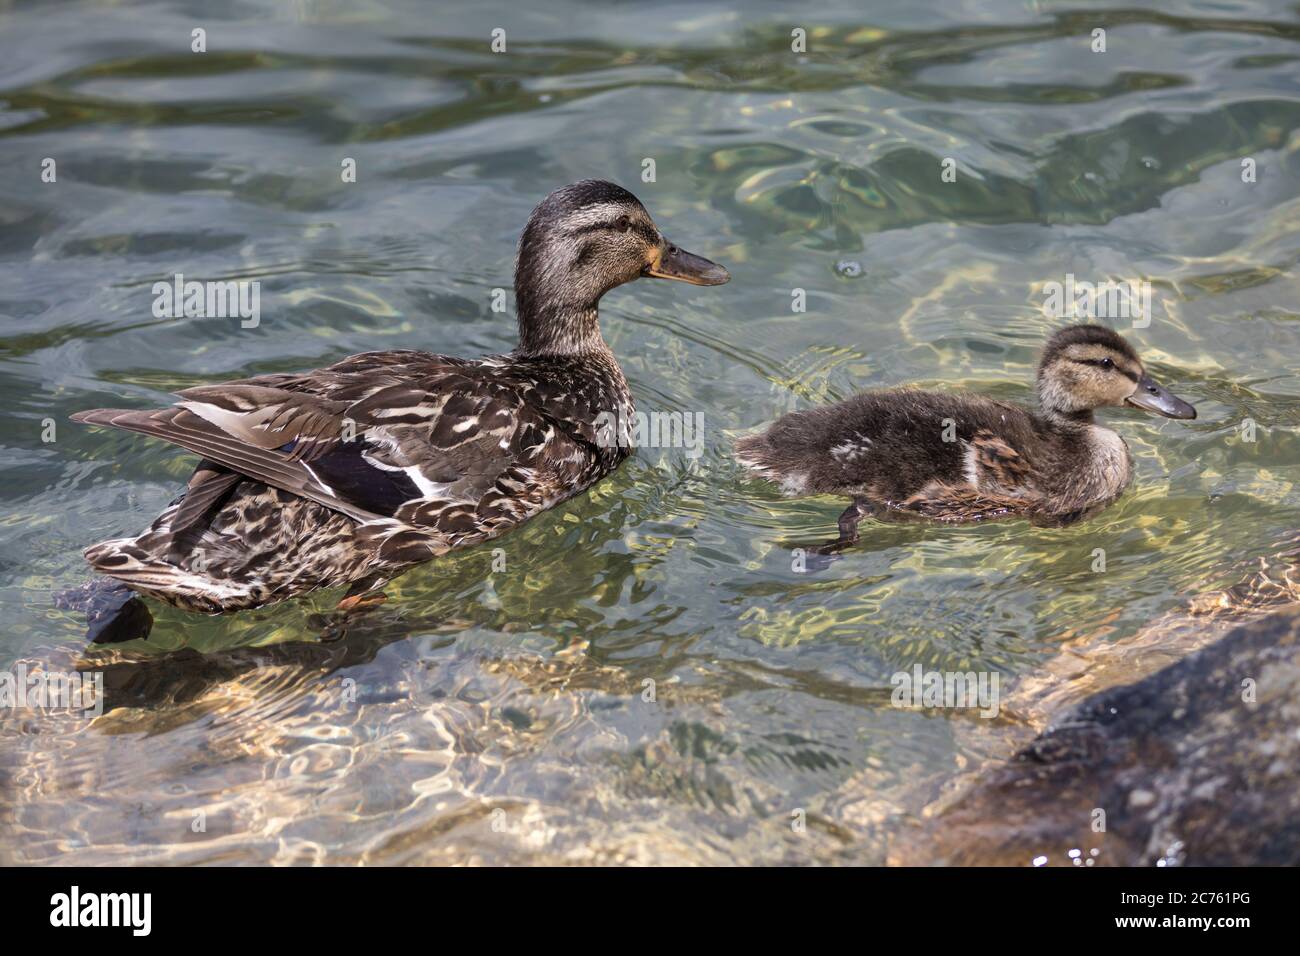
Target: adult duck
x=351 y=474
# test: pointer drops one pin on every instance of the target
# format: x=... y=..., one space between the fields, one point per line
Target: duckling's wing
x=998 y=462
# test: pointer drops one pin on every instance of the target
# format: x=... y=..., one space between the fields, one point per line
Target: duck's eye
x=623 y=223
x=1107 y=363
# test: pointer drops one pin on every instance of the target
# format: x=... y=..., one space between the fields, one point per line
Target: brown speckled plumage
x=353 y=473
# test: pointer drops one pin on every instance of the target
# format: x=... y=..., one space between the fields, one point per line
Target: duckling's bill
x=1151 y=396
x=674 y=263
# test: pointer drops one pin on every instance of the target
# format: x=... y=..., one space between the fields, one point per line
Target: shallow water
x=501 y=716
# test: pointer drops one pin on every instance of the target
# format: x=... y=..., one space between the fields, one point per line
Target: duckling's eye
x=1107 y=363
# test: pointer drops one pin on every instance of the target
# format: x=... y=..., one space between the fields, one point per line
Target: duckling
x=353 y=473
x=953 y=457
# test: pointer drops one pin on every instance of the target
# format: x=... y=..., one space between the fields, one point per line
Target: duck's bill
x=1151 y=396
x=674 y=263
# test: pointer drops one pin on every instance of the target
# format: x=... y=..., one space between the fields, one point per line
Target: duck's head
x=1085 y=367
x=580 y=242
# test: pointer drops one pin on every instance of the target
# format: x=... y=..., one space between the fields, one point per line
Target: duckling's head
x=581 y=241
x=1085 y=367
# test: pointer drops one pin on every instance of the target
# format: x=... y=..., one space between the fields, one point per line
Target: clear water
x=502 y=716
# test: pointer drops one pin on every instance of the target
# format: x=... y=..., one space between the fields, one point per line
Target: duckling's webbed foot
x=848 y=522
x=820 y=557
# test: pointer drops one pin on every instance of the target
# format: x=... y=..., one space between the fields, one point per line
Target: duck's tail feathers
x=754 y=452
x=759 y=455
x=123 y=559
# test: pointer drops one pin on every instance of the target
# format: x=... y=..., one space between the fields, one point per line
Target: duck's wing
x=241 y=440
x=997 y=461
x=449 y=445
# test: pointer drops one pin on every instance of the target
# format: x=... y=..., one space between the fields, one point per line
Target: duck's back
x=366 y=467
x=893 y=443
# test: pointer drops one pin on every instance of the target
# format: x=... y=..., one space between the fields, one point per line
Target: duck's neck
x=1091 y=463
x=557 y=299
x=1075 y=421
x=569 y=346
x=557 y=330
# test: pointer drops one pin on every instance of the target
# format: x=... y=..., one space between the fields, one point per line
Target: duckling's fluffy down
x=893 y=442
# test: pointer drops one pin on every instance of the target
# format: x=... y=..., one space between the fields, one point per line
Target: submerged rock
x=1198 y=763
